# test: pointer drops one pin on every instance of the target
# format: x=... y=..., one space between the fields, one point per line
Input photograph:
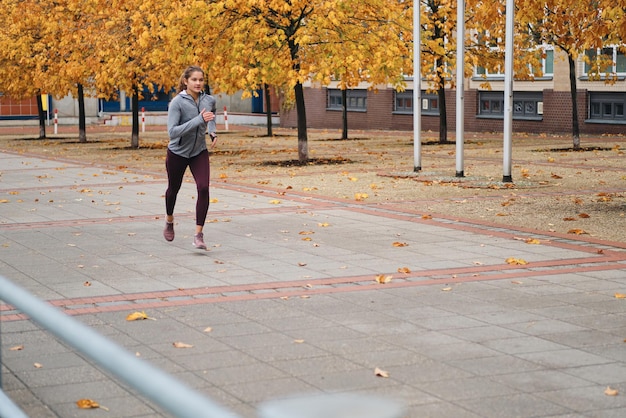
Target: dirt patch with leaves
x=553 y=189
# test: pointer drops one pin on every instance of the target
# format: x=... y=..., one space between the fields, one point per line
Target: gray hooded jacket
x=185 y=126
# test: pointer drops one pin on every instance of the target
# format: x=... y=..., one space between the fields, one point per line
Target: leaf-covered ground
x=553 y=188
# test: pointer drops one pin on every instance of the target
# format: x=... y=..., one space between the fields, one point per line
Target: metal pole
x=161 y=388
x=8 y=408
x=460 y=85
x=508 y=93
x=417 y=88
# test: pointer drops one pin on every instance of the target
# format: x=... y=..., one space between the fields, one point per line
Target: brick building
x=539 y=106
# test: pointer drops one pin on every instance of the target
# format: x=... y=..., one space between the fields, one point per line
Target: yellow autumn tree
x=73 y=35
x=24 y=51
x=483 y=40
x=286 y=43
x=572 y=26
x=95 y=47
x=132 y=51
x=375 y=57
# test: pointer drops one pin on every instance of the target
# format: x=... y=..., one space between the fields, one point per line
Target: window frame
x=356 y=98
x=526 y=105
x=618 y=58
x=598 y=102
x=429 y=105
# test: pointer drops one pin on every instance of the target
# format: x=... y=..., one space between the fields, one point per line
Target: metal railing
x=159 y=387
x=164 y=390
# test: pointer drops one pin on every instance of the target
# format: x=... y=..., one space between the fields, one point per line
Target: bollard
x=56 y=121
x=332 y=406
x=225 y=119
x=143 y=119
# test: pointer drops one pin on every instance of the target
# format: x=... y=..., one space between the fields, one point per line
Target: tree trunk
x=268 y=110
x=443 y=115
x=82 y=129
x=303 y=151
x=574 y=94
x=134 y=140
x=303 y=146
x=42 y=118
x=344 y=111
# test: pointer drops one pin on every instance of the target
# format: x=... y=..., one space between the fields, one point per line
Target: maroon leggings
x=199 y=166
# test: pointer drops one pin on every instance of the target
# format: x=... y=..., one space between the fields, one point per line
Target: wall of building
x=557 y=115
x=555 y=88
x=16 y=109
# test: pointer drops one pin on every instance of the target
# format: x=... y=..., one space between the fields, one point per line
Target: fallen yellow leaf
x=609 y=391
x=620 y=296
x=405 y=270
x=178 y=344
x=513 y=260
x=16 y=348
x=360 y=196
x=382 y=278
x=381 y=373
x=135 y=316
x=89 y=404
x=446 y=289
x=298 y=341
x=400 y=244
x=275 y=202
x=532 y=241
x=577 y=231
x=208 y=329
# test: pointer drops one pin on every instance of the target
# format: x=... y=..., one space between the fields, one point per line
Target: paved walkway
x=288 y=289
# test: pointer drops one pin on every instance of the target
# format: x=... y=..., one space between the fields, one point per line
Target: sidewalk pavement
x=286 y=300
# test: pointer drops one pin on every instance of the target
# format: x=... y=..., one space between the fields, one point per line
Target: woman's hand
x=206 y=115
x=213 y=137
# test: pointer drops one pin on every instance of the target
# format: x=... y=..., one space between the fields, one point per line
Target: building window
x=608 y=60
x=482 y=72
x=526 y=105
x=548 y=62
x=356 y=100
x=547 y=66
x=607 y=106
x=404 y=103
